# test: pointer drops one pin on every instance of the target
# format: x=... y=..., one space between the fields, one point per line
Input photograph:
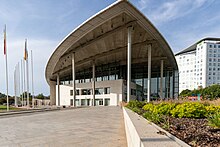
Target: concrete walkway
x=83 y=127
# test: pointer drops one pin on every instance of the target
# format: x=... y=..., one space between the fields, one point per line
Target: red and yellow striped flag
x=5 y=40
x=25 y=51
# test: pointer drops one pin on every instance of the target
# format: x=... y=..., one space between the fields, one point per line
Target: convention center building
x=116 y=55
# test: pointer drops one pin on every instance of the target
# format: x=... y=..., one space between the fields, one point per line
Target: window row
x=98 y=91
x=214 y=46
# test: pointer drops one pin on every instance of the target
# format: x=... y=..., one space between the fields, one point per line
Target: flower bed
x=195 y=123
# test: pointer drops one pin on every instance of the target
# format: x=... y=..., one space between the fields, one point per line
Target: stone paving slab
x=86 y=127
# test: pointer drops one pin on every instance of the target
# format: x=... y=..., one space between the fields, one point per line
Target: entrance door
x=83 y=102
x=97 y=102
x=107 y=102
x=88 y=102
x=71 y=102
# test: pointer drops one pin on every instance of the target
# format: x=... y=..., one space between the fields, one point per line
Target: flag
x=25 y=51
x=5 y=40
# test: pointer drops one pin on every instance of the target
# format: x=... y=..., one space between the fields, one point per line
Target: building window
x=107 y=90
x=71 y=92
x=77 y=92
x=133 y=92
x=101 y=102
x=86 y=91
x=210 y=46
x=99 y=91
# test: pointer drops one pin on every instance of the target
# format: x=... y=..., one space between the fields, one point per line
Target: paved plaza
x=83 y=127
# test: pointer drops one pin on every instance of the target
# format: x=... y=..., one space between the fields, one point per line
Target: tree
x=40 y=96
x=185 y=93
x=212 y=92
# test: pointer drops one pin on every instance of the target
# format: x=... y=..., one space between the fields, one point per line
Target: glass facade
x=115 y=71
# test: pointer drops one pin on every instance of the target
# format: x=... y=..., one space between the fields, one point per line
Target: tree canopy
x=211 y=92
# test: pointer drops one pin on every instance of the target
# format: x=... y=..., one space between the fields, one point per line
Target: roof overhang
x=103 y=38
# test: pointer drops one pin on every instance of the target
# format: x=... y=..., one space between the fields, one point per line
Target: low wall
x=133 y=138
x=142 y=133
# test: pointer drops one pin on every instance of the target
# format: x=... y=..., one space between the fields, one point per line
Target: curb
x=174 y=138
x=30 y=111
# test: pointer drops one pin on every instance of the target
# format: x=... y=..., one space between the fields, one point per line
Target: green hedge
x=178 y=110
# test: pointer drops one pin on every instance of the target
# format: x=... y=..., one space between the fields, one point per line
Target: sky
x=46 y=22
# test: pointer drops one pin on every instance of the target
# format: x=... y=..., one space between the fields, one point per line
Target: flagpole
x=24 y=84
x=32 y=75
x=6 y=67
x=22 y=96
x=27 y=72
x=15 y=85
x=18 y=72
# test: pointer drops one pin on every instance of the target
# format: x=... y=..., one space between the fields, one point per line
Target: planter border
x=133 y=138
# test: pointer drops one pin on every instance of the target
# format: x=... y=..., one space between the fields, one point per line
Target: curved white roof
x=103 y=38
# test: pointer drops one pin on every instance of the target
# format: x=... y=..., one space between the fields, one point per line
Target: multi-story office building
x=199 y=64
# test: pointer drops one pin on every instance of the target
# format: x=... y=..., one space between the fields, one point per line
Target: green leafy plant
x=211 y=109
x=149 y=107
x=164 y=108
x=189 y=110
x=214 y=120
x=156 y=118
x=137 y=110
x=135 y=104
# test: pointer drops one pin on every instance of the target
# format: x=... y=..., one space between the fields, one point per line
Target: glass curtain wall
x=115 y=71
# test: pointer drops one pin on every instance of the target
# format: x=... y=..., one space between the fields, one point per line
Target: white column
x=93 y=83
x=74 y=76
x=149 y=74
x=161 y=79
x=58 y=89
x=52 y=93
x=129 y=65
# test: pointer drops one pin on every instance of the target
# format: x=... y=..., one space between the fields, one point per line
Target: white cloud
x=142 y=4
x=172 y=9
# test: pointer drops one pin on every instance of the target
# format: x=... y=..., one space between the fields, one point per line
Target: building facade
x=199 y=65
x=116 y=55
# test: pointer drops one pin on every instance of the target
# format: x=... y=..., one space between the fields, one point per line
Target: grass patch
x=4 y=108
